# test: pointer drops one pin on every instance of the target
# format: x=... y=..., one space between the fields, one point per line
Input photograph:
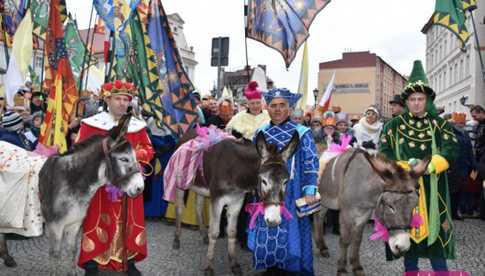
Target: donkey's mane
x=83 y=144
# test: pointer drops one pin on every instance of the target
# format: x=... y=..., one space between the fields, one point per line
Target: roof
x=352 y=60
x=428 y=25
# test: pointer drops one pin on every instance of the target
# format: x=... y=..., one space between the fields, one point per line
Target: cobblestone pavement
x=31 y=254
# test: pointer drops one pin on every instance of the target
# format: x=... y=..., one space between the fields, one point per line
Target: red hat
x=251 y=92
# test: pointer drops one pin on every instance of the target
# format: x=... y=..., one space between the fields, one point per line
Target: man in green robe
x=416 y=133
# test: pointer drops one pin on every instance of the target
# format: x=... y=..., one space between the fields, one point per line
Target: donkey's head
x=121 y=165
x=398 y=199
x=273 y=176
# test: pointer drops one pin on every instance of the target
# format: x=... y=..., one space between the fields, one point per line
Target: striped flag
x=324 y=103
x=59 y=82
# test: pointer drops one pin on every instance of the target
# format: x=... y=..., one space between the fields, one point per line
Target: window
x=444 y=79
x=455 y=77
x=451 y=75
x=461 y=69
x=467 y=66
x=446 y=44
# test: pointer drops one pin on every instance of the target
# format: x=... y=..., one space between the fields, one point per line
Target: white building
x=453 y=73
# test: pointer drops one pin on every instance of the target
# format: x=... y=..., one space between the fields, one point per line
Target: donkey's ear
x=261 y=146
x=120 y=130
x=421 y=168
x=381 y=165
x=290 y=149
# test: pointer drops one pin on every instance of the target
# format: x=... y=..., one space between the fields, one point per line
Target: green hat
x=418 y=83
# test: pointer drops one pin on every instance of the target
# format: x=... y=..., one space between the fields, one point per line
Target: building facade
x=238 y=79
x=455 y=74
x=361 y=79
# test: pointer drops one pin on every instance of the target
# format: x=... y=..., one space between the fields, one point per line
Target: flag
x=451 y=15
x=21 y=58
x=75 y=49
x=99 y=27
x=59 y=82
x=259 y=76
x=40 y=16
x=324 y=103
x=282 y=24
x=179 y=107
x=469 y=5
x=12 y=14
x=303 y=84
x=227 y=94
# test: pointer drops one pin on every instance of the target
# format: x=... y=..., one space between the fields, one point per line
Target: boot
x=91 y=268
x=132 y=270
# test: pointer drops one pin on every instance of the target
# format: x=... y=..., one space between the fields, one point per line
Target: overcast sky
x=389 y=28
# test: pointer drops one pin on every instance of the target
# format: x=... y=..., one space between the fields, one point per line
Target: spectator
x=37 y=102
x=13 y=131
x=297 y=116
x=368 y=130
x=36 y=122
x=397 y=105
x=478 y=114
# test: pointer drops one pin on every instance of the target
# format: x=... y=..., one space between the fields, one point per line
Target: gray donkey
x=67 y=183
x=359 y=184
x=232 y=169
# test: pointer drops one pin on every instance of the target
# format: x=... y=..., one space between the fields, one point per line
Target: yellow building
x=361 y=79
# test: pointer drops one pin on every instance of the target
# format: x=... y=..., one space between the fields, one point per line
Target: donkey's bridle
x=399 y=227
x=265 y=164
x=109 y=166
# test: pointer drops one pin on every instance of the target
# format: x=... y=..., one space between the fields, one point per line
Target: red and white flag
x=324 y=103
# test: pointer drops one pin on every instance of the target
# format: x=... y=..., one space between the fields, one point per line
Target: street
x=31 y=255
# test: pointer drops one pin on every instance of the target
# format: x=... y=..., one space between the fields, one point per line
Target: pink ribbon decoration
x=42 y=150
x=381 y=232
x=342 y=147
x=114 y=193
x=256 y=209
x=416 y=221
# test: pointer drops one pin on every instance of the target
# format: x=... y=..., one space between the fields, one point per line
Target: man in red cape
x=114 y=234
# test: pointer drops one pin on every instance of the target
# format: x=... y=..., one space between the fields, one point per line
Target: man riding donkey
x=287 y=248
x=114 y=234
x=416 y=133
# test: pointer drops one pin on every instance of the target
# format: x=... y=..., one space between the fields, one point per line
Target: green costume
x=406 y=137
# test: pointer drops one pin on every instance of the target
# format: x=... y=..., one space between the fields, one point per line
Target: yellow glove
x=438 y=164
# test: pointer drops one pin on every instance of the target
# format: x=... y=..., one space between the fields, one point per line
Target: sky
x=389 y=28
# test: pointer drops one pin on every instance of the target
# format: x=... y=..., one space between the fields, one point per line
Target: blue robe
x=154 y=205
x=289 y=245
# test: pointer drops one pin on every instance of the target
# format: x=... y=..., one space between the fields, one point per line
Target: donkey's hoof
x=358 y=271
x=209 y=271
x=9 y=261
x=324 y=253
x=176 y=244
x=341 y=272
x=236 y=270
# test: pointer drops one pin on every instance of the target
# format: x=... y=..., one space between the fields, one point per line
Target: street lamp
x=315 y=94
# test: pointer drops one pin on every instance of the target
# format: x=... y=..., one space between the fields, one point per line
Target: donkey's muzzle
x=272 y=215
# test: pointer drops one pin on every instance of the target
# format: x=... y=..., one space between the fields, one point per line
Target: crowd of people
x=455 y=142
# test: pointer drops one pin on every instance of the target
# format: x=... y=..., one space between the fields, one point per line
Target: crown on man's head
x=119 y=87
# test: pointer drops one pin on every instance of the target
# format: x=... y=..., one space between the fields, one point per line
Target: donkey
x=67 y=182
x=359 y=184
x=232 y=169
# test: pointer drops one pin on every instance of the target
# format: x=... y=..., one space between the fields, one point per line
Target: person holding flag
x=114 y=234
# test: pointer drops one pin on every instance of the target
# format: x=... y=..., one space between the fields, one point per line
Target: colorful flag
x=180 y=110
x=324 y=103
x=451 y=15
x=40 y=16
x=75 y=49
x=303 y=84
x=469 y=5
x=12 y=14
x=21 y=58
x=62 y=90
x=282 y=24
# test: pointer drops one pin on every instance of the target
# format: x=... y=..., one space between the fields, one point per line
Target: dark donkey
x=359 y=184
x=67 y=183
x=232 y=169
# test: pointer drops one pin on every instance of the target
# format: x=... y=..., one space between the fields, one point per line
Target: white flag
x=325 y=100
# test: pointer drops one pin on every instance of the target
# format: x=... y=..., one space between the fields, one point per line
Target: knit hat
x=12 y=121
x=252 y=92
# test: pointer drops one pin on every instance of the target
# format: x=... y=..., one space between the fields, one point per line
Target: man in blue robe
x=287 y=249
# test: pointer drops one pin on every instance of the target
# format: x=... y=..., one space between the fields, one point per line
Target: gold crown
x=118 y=87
